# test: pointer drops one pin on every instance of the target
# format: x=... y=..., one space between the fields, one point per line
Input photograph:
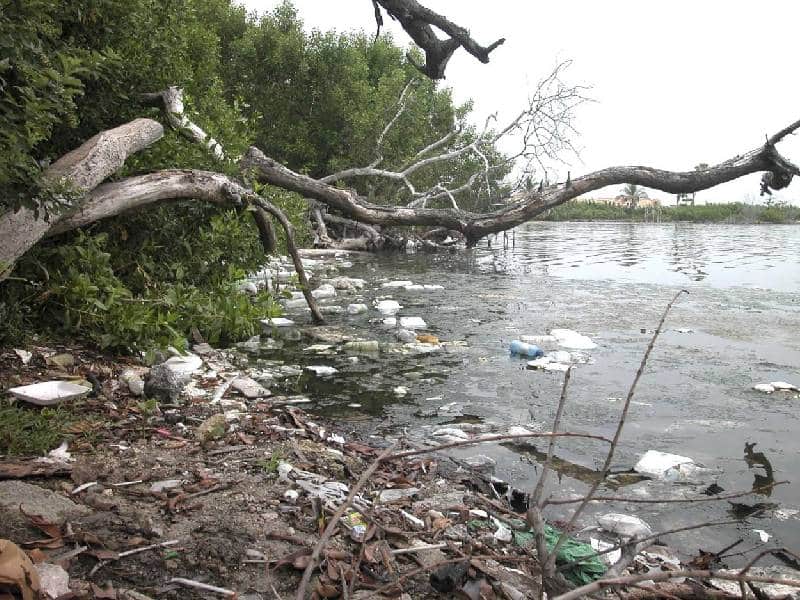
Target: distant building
x=621 y=200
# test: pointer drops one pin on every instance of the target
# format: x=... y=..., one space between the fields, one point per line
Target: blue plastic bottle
x=523 y=349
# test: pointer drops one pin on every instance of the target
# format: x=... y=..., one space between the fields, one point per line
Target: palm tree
x=633 y=193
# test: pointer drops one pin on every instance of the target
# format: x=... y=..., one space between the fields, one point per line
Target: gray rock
x=393 y=495
x=165 y=383
x=250 y=388
x=248 y=287
x=34 y=500
x=480 y=462
x=134 y=382
x=54 y=580
x=213 y=428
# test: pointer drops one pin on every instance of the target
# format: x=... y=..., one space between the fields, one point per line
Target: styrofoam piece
x=48 y=393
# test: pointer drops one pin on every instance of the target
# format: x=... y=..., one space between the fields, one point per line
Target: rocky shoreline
x=201 y=476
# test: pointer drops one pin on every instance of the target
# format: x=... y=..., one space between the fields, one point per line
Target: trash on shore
x=48 y=393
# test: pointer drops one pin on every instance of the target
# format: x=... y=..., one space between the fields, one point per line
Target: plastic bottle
x=523 y=349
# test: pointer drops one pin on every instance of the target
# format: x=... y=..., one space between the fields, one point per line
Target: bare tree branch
x=419 y=21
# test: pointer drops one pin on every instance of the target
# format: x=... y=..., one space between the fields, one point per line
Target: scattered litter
x=572 y=339
x=406 y=336
x=659 y=464
x=250 y=388
x=322 y=370
x=539 y=339
x=393 y=495
x=784 y=386
x=167 y=484
x=407 y=322
x=451 y=432
x=610 y=558
x=388 y=307
x=625 y=525
x=48 y=393
x=763 y=535
x=396 y=284
x=324 y=291
x=356 y=309
x=764 y=387
x=362 y=347
x=480 y=462
x=400 y=391
x=184 y=364
x=413 y=521
x=277 y=322
x=684 y=330
x=524 y=349
x=24 y=355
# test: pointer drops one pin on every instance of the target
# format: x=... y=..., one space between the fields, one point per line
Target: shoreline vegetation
x=735 y=213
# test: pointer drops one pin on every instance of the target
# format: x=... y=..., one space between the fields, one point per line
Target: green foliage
x=317 y=101
x=32 y=431
x=735 y=212
x=41 y=78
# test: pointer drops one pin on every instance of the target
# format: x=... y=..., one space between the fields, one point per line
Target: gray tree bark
x=78 y=171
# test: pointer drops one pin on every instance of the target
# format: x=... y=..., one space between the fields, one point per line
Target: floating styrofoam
x=397 y=284
x=658 y=464
x=572 y=339
x=625 y=525
x=388 y=307
x=277 y=322
x=412 y=323
x=322 y=370
x=47 y=393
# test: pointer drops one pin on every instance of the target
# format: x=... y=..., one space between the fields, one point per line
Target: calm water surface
x=610 y=281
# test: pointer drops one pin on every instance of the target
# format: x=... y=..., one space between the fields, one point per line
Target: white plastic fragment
x=610 y=558
x=277 y=322
x=167 y=484
x=396 y=284
x=400 y=391
x=538 y=339
x=625 y=525
x=356 y=309
x=322 y=370
x=407 y=322
x=658 y=464
x=763 y=535
x=184 y=364
x=766 y=388
x=24 y=355
x=326 y=290
x=388 y=307
x=61 y=453
x=784 y=386
x=392 y=495
x=47 y=393
x=502 y=533
x=291 y=495
x=572 y=339
x=561 y=356
x=412 y=520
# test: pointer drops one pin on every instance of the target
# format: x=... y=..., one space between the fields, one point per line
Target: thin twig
x=601 y=584
x=191 y=583
x=326 y=535
x=637 y=541
x=551 y=560
x=535 y=519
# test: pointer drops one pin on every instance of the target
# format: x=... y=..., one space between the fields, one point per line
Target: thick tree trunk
x=527 y=205
x=111 y=199
x=80 y=171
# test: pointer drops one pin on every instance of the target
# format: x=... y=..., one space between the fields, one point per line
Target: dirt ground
x=236 y=508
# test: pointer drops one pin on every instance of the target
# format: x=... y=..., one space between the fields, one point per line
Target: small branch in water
x=551 y=560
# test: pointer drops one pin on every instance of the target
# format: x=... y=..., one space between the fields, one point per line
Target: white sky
x=675 y=82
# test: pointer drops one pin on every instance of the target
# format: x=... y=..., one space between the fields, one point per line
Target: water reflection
x=762 y=484
x=678 y=253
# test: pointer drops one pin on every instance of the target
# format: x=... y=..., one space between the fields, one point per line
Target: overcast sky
x=675 y=83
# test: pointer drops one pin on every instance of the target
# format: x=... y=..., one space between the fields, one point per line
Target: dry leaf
x=17 y=571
